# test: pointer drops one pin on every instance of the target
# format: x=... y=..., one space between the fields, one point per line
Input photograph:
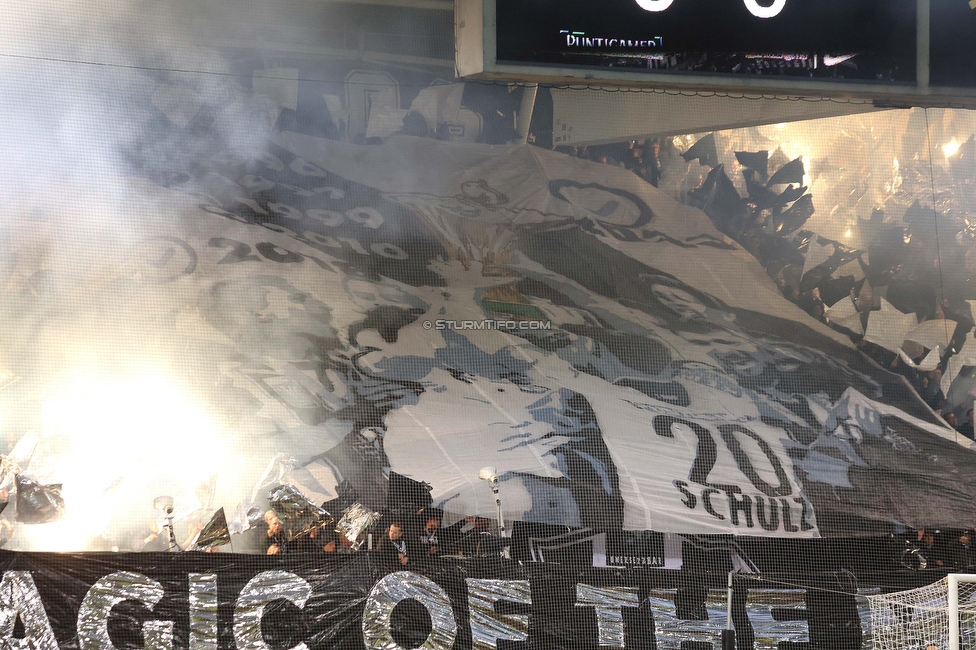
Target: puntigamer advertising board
x=911 y=51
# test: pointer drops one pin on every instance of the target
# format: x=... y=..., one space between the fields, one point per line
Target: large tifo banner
x=436 y=308
x=228 y=602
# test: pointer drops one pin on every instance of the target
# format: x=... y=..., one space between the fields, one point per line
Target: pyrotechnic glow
x=950 y=148
x=848 y=233
x=115 y=443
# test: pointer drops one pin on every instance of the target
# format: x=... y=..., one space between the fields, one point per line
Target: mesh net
x=919 y=618
x=274 y=282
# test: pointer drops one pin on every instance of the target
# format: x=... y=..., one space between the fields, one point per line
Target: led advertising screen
x=953 y=43
x=825 y=40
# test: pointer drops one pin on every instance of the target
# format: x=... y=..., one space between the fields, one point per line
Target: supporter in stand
x=934 y=555
x=652 y=164
x=930 y=389
x=952 y=421
x=429 y=541
x=275 y=540
x=961 y=552
x=311 y=542
x=197 y=520
x=644 y=160
x=392 y=548
x=966 y=428
x=150 y=540
x=341 y=545
x=475 y=538
x=453 y=540
x=194 y=529
x=906 y=371
x=101 y=543
x=633 y=157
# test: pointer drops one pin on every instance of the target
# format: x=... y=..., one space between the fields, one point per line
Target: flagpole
x=728 y=634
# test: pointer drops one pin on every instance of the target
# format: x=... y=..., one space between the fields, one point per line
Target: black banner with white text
x=227 y=601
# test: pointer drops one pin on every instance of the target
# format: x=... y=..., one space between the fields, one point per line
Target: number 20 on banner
x=753 y=6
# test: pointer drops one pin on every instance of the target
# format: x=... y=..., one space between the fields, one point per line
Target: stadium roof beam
x=318 y=51
x=437 y=5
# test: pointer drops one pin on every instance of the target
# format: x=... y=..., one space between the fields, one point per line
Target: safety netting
x=307 y=344
x=919 y=618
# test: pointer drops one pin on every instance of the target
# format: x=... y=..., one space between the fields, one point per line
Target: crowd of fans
x=644 y=159
x=927 y=384
x=398 y=540
x=407 y=531
x=937 y=549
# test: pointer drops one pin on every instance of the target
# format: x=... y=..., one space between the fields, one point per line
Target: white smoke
x=94 y=357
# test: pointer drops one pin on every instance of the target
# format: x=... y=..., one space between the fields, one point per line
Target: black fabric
x=718 y=198
x=408 y=494
x=791 y=172
x=912 y=296
x=758 y=160
x=704 y=151
x=966 y=429
x=832 y=291
x=340 y=585
x=796 y=216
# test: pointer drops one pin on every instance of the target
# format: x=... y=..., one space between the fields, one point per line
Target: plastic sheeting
x=214 y=534
x=297 y=513
x=889 y=327
x=355 y=523
x=420 y=307
x=38 y=503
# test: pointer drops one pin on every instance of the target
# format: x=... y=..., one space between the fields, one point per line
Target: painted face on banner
x=268 y=316
x=561 y=413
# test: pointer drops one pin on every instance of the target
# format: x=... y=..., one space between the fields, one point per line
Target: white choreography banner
x=661 y=383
